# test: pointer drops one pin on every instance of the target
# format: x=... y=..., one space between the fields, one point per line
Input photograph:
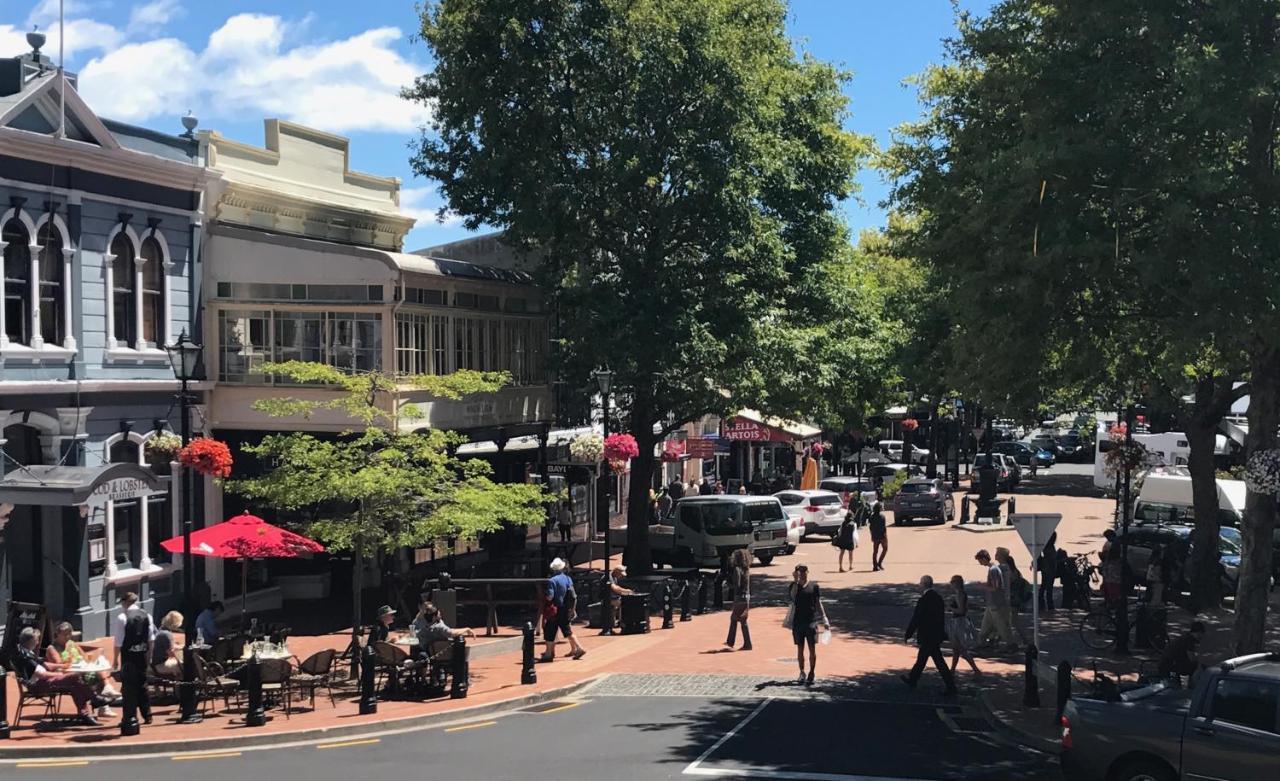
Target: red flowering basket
x=910 y=424
x=620 y=447
x=207 y=456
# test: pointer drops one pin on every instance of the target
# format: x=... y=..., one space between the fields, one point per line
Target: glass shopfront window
x=351 y=341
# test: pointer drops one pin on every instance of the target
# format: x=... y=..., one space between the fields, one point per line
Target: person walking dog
x=928 y=625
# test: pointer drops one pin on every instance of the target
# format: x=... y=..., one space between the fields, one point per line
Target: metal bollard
x=685 y=599
x=368 y=692
x=1013 y=508
x=606 y=608
x=1031 y=687
x=717 y=593
x=528 y=673
x=255 y=715
x=702 y=593
x=4 y=704
x=128 y=682
x=1064 y=690
x=667 y=623
x=188 y=707
x=459 y=671
x=1142 y=632
x=964 y=510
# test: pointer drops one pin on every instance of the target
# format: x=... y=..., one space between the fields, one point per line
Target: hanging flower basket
x=162 y=449
x=1262 y=472
x=620 y=447
x=587 y=447
x=672 y=450
x=910 y=424
x=207 y=456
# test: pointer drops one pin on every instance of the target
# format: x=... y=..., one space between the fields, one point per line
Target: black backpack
x=137 y=630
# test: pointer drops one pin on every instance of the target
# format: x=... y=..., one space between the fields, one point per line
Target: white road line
x=693 y=766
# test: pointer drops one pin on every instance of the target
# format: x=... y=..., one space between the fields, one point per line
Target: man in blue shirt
x=206 y=622
x=558 y=607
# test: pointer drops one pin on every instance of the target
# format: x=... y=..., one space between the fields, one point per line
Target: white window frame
x=37 y=345
x=145 y=565
x=141 y=350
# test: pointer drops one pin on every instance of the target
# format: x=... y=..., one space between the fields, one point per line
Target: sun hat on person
x=386 y=610
x=557 y=564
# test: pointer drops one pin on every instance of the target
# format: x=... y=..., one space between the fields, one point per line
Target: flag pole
x=62 y=70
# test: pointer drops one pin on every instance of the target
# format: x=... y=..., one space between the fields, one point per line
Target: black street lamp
x=1122 y=612
x=604 y=378
x=184 y=355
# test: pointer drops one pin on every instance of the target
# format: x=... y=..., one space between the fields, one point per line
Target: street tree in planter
x=377 y=488
x=674 y=168
x=1100 y=185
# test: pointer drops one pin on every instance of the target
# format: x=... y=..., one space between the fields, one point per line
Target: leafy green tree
x=380 y=488
x=1099 y=185
x=675 y=165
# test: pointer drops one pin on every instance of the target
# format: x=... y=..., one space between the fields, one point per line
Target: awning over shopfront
x=751 y=426
x=67 y=486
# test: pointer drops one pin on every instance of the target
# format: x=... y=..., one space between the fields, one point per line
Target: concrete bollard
x=459 y=671
x=528 y=673
x=1064 y=690
x=667 y=622
x=255 y=716
x=1031 y=687
x=368 y=691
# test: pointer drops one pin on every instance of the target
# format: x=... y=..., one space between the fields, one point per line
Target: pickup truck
x=701 y=529
x=1226 y=727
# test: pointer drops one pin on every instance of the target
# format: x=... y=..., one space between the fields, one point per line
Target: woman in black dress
x=844 y=538
x=807 y=614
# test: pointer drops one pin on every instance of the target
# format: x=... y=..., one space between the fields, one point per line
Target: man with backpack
x=134 y=634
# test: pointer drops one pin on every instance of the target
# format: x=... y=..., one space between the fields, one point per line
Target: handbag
x=857 y=538
x=791 y=617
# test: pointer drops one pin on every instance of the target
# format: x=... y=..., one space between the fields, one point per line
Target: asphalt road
x=635 y=738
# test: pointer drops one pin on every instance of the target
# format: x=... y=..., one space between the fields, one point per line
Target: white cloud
x=423 y=204
x=247 y=66
x=83 y=35
x=153 y=14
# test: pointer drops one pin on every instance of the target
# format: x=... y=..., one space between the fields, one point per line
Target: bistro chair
x=275 y=681
x=316 y=671
x=211 y=684
x=52 y=700
x=391 y=661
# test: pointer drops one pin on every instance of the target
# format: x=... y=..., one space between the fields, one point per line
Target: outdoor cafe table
x=101 y=664
x=525 y=592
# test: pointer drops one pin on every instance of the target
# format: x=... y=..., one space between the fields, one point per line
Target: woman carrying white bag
x=846 y=539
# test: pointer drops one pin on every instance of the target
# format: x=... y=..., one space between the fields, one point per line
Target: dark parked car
x=1145 y=538
x=923 y=498
x=1046 y=441
x=1005 y=478
x=1024 y=453
x=1072 y=447
x=1227 y=726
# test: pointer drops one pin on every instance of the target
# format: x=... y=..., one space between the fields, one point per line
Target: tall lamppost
x=184 y=355
x=907 y=444
x=1122 y=612
x=604 y=378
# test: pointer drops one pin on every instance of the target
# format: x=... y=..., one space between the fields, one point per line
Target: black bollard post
x=1064 y=690
x=128 y=683
x=667 y=623
x=368 y=693
x=1142 y=632
x=717 y=592
x=255 y=715
x=188 y=707
x=459 y=673
x=527 y=672
x=1031 y=687
x=702 y=593
x=1013 y=508
x=685 y=599
x=606 y=606
x=964 y=510
x=4 y=704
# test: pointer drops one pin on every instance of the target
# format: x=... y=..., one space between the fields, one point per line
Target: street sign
x=700 y=447
x=1035 y=530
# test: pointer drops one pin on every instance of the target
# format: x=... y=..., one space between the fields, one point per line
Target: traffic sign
x=1035 y=530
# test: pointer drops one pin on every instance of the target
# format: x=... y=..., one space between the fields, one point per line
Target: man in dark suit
x=929 y=625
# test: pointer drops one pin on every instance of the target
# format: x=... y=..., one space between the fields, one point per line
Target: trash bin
x=635 y=614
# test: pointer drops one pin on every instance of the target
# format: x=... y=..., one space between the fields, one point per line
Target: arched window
x=17 y=277
x=51 y=282
x=153 y=324
x=123 y=290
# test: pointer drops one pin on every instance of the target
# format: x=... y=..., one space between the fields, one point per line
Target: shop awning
x=67 y=486
x=751 y=426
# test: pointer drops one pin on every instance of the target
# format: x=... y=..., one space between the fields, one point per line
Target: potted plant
x=162 y=449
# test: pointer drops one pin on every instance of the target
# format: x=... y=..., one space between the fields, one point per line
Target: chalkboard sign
x=20 y=616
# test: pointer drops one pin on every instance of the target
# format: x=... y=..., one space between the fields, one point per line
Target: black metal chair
x=316 y=671
x=52 y=700
x=391 y=661
x=276 y=674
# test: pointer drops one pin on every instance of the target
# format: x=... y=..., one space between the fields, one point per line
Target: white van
x=1168 y=449
x=701 y=529
x=1167 y=498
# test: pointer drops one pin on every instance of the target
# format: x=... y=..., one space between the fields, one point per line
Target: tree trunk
x=638 y=555
x=1254 y=587
x=357 y=581
x=1206 y=585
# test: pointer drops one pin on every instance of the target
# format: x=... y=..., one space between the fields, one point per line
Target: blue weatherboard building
x=100 y=234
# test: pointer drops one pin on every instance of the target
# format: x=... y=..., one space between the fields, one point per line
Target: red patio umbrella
x=245 y=537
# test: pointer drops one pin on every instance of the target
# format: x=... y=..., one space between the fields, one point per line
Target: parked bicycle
x=1098 y=627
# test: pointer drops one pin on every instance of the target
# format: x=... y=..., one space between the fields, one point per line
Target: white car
x=893 y=449
x=863 y=485
x=812 y=511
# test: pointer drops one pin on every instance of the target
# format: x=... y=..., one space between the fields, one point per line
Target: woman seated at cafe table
x=64 y=652
x=165 y=661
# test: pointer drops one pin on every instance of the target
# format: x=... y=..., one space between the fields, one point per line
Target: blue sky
x=338 y=65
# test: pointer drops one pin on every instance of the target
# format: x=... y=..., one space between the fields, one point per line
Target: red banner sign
x=700 y=447
x=744 y=430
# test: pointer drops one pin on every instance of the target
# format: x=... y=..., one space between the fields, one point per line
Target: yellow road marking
x=347 y=743
x=56 y=763
x=206 y=755
x=557 y=710
x=471 y=726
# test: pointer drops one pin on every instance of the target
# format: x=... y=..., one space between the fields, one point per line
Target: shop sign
x=118 y=490
x=744 y=430
x=700 y=447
